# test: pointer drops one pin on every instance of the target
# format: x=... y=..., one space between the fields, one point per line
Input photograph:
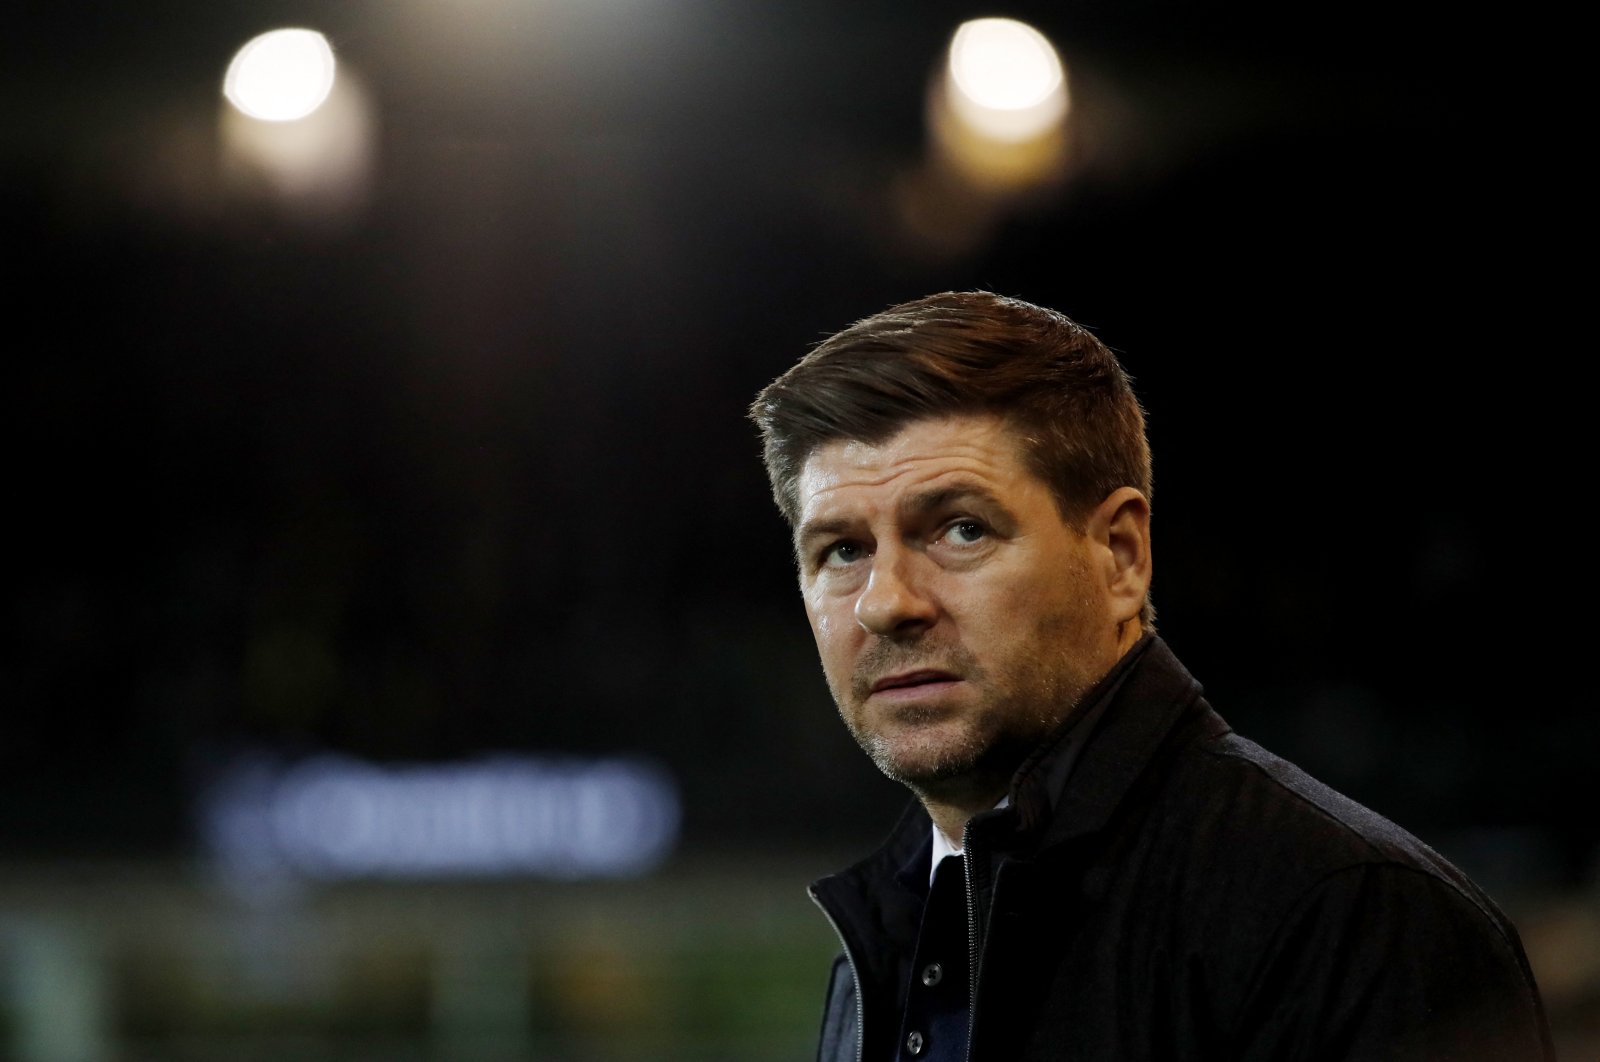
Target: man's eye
x=964 y=532
x=841 y=554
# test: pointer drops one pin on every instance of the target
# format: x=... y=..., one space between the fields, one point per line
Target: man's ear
x=1120 y=527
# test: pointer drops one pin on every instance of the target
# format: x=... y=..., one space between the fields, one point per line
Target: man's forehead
x=982 y=446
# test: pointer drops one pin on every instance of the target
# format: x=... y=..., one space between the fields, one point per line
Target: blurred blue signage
x=331 y=817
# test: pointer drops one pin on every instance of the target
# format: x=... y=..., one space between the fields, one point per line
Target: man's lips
x=908 y=680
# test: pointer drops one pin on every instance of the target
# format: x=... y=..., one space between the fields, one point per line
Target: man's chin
x=951 y=767
x=925 y=765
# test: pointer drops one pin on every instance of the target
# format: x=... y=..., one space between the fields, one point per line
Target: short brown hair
x=956 y=353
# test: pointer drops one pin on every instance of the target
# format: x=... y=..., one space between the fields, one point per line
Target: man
x=1095 y=866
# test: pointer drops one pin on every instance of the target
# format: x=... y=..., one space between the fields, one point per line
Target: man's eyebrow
x=921 y=502
x=946 y=496
x=819 y=529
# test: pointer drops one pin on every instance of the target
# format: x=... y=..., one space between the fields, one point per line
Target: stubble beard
x=1000 y=730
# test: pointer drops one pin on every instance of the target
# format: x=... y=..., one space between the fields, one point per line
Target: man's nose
x=894 y=603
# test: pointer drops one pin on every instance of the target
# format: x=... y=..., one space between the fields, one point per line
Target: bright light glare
x=1004 y=64
x=281 y=76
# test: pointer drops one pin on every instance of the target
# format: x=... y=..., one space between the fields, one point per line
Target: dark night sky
x=468 y=471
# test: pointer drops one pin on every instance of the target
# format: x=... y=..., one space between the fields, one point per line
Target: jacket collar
x=1130 y=714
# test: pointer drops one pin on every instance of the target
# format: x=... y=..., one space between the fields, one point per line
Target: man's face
x=958 y=618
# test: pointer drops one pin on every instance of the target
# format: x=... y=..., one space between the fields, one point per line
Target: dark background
x=466 y=469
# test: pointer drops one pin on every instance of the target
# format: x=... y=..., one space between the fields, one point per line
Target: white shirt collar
x=943 y=849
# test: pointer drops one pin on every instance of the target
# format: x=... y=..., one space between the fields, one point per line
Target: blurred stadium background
x=401 y=659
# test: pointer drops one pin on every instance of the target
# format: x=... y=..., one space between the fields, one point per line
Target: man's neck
x=951 y=817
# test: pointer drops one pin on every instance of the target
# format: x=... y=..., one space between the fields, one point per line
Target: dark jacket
x=1188 y=895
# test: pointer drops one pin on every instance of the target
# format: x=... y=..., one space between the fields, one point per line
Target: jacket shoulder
x=1247 y=836
x=1260 y=806
x=1307 y=918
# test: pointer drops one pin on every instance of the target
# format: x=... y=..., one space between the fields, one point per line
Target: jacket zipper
x=855 y=975
x=972 y=938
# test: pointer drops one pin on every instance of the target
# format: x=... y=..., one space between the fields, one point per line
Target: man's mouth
x=913 y=679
